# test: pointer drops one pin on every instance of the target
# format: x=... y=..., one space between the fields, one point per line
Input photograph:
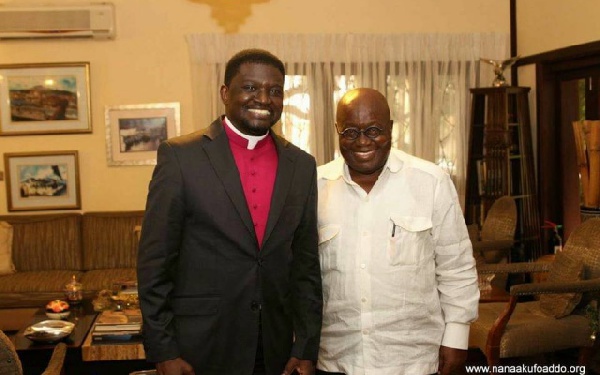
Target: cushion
x=6 y=239
x=566 y=268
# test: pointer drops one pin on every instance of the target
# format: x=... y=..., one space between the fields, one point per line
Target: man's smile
x=364 y=155
x=260 y=112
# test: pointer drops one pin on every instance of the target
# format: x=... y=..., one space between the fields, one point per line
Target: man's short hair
x=253 y=55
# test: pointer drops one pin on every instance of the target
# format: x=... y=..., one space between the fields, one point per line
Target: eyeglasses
x=351 y=134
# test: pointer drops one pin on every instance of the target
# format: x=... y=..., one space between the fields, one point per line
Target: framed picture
x=49 y=98
x=134 y=132
x=42 y=180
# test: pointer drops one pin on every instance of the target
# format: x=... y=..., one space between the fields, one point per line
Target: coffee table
x=33 y=354
x=83 y=317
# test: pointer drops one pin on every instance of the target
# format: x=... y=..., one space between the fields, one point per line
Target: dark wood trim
x=549 y=186
x=514 y=77
x=566 y=54
x=552 y=68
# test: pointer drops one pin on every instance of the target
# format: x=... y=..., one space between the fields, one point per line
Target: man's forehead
x=362 y=112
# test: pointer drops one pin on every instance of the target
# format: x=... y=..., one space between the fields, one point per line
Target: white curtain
x=426 y=78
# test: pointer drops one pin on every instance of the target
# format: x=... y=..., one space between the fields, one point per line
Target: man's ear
x=224 y=94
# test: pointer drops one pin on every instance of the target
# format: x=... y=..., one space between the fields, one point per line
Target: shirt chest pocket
x=410 y=240
x=329 y=247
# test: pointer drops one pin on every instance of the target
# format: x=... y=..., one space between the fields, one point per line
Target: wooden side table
x=111 y=351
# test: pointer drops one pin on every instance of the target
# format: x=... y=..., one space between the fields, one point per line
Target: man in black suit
x=228 y=269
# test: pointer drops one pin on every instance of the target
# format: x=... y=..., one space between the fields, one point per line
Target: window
x=296 y=123
x=426 y=78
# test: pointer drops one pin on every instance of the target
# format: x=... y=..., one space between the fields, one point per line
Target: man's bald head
x=366 y=98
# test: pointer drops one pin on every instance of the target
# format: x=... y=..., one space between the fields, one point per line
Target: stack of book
x=118 y=326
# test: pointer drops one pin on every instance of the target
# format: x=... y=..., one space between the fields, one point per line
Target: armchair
x=11 y=365
x=492 y=244
x=557 y=320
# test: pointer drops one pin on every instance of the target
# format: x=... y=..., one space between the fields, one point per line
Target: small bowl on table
x=57 y=309
x=58 y=315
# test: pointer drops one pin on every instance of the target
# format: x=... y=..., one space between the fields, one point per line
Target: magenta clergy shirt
x=258 y=168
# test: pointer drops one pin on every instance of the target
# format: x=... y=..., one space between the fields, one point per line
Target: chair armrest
x=492 y=245
x=519 y=267
x=497 y=330
x=55 y=366
x=553 y=288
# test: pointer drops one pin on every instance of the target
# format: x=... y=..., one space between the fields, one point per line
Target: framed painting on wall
x=47 y=98
x=42 y=180
x=134 y=132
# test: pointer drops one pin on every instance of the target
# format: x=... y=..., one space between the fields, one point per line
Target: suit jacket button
x=255 y=306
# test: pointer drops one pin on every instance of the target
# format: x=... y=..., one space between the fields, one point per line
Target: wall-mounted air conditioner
x=96 y=20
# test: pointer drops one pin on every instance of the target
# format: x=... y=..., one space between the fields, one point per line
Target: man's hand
x=175 y=366
x=302 y=367
x=451 y=360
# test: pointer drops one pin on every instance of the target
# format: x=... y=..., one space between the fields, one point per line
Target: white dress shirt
x=399 y=277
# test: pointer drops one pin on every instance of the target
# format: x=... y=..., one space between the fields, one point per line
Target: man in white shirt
x=399 y=279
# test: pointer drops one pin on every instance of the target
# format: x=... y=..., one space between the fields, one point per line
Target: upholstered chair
x=11 y=365
x=560 y=319
x=492 y=244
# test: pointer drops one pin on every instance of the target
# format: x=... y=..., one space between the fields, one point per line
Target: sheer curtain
x=426 y=78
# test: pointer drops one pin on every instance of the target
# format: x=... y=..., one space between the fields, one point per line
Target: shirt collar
x=338 y=168
x=252 y=139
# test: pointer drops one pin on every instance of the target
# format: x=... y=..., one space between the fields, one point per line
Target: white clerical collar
x=252 y=139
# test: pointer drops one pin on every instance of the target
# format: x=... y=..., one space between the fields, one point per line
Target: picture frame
x=134 y=132
x=47 y=180
x=45 y=98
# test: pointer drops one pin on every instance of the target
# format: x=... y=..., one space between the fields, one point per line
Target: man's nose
x=262 y=96
x=362 y=138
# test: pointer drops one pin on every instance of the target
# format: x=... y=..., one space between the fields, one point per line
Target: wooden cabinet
x=500 y=161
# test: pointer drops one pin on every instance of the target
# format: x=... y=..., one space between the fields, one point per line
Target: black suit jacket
x=203 y=282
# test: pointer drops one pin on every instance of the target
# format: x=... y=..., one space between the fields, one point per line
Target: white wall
x=148 y=63
x=545 y=25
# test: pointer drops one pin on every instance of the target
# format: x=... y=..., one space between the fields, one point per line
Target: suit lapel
x=221 y=158
x=283 y=181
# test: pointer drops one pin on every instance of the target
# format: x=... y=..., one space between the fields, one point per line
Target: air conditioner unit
x=57 y=21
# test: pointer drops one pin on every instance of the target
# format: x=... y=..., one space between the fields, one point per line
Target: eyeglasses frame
x=360 y=132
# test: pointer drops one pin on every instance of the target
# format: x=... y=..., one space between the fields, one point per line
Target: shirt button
x=363 y=299
x=254 y=190
x=252 y=173
x=365 y=331
x=363 y=266
x=255 y=206
x=255 y=306
x=255 y=224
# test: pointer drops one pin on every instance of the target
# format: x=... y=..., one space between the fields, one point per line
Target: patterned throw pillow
x=6 y=238
x=566 y=268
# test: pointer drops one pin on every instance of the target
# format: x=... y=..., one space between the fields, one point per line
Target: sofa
x=98 y=248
